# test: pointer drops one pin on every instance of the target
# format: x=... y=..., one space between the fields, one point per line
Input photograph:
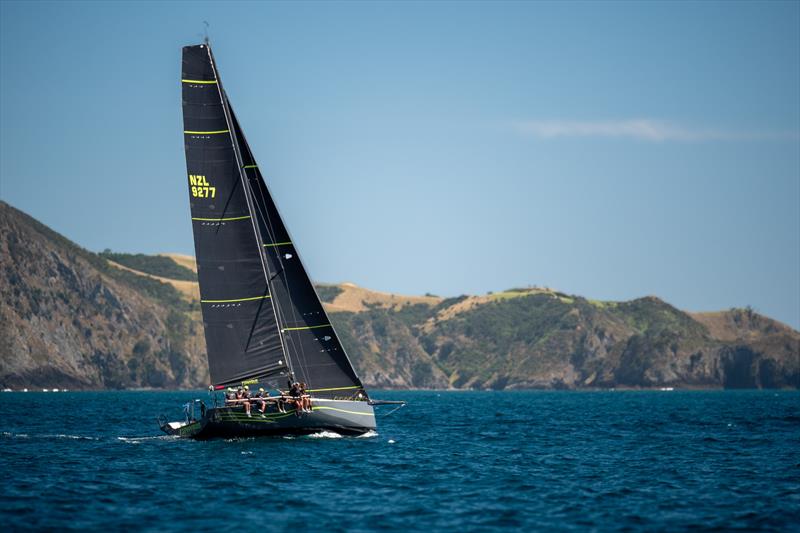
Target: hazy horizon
x=608 y=150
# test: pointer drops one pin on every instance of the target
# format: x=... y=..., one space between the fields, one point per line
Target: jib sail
x=318 y=357
x=261 y=314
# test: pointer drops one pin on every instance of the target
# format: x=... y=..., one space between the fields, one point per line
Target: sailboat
x=265 y=326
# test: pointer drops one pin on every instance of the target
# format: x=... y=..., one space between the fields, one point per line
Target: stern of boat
x=190 y=426
x=181 y=429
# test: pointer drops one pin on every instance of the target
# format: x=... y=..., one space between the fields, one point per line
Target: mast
x=248 y=197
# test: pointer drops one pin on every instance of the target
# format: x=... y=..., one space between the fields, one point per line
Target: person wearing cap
x=296 y=395
x=242 y=396
x=230 y=395
x=259 y=399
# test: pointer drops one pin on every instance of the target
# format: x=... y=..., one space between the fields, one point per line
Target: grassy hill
x=155 y=265
x=115 y=320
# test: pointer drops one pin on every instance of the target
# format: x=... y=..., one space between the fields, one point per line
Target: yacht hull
x=340 y=416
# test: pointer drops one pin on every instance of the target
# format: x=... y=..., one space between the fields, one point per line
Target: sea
x=447 y=461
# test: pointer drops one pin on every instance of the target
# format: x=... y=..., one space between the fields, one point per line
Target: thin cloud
x=641 y=129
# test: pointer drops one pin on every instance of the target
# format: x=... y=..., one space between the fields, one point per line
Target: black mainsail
x=261 y=314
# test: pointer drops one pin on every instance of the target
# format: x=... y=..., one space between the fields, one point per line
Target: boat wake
x=332 y=435
x=9 y=435
x=71 y=437
x=324 y=435
x=139 y=440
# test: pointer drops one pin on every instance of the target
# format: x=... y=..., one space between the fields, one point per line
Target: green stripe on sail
x=206 y=132
x=236 y=300
x=221 y=219
x=307 y=327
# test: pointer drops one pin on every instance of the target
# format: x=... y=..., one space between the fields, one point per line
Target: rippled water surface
x=450 y=460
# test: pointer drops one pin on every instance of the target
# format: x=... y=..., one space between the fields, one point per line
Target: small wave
x=239 y=439
x=368 y=435
x=325 y=435
x=391 y=441
x=247 y=453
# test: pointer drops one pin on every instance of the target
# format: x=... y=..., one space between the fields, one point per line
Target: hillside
x=541 y=339
x=72 y=318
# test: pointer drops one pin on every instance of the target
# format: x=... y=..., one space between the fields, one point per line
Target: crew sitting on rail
x=242 y=396
x=281 y=401
x=247 y=397
x=305 y=398
x=230 y=395
x=296 y=395
x=259 y=399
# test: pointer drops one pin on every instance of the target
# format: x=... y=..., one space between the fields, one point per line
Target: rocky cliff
x=72 y=318
x=69 y=319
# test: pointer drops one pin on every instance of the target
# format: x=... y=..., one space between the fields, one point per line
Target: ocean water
x=468 y=461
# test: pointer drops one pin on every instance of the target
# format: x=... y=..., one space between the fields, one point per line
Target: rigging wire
x=393 y=410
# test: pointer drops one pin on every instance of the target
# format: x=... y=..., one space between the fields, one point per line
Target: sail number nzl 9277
x=201 y=188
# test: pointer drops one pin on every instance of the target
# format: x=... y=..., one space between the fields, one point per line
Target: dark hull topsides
x=339 y=416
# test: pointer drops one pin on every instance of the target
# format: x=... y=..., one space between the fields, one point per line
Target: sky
x=610 y=150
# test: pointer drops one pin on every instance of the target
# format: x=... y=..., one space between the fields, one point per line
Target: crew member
x=259 y=400
x=230 y=395
x=305 y=397
x=242 y=396
x=297 y=397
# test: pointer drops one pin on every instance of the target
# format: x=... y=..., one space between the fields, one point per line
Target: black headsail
x=242 y=245
x=318 y=357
